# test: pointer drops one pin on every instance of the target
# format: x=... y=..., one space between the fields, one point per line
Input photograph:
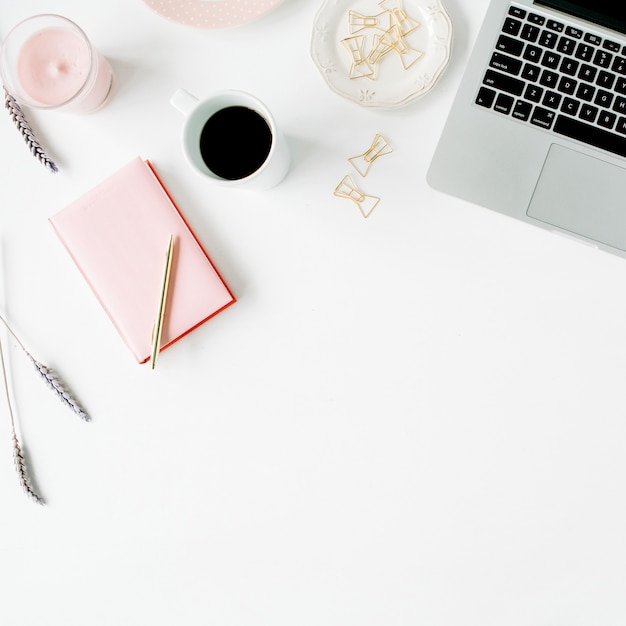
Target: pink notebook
x=117 y=234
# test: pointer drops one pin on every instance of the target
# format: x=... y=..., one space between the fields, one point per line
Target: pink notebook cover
x=117 y=234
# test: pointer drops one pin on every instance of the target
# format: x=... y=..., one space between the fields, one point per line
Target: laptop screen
x=608 y=13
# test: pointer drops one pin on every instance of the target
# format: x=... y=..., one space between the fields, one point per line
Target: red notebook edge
x=193 y=234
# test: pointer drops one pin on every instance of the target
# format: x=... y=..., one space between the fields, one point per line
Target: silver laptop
x=537 y=130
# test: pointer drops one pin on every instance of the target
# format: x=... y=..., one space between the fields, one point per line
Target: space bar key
x=590 y=135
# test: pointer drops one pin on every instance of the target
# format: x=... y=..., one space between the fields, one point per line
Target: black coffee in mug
x=235 y=142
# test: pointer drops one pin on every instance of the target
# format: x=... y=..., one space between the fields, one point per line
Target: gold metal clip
x=405 y=23
x=393 y=40
x=347 y=189
x=358 y=22
x=360 y=66
x=363 y=162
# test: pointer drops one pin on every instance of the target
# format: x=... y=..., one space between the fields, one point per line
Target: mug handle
x=183 y=101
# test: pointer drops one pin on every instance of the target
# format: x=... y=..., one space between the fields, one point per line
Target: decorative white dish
x=381 y=53
x=211 y=13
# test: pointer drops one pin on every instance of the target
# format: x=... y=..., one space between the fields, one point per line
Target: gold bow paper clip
x=363 y=162
x=380 y=49
x=347 y=189
x=405 y=23
x=393 y=40
x=358 y=22
x=360 y=66
x=408 y=55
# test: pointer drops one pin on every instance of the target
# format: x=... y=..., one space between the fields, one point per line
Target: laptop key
x=549 y=79
x=533 y=93
x=569 y=67
x=530 y=33
x=584 y=52
x=570 y=106
x=621 y=125
x=505 y=63
x=606 y=80
x=587 y=72
x=603 y=98
x=588 y=113
x=551 y=100
x=591 y=135
x=607 y=119
x=611 y=45
x=620 y=105
x=567 y=85
x=566 y=45
x=533 y=53
x=548 y=39
x=593 y=39
x=522 y=110
x=619 y=65
x=536 y=19
x=510 y=45
x=574 y=32
x=531 y=72
x=543 y=117
x=504 y=83
x=517 y=12
x=551 y=60
x=485 y=97
x=511 y=26
x=620 y=85
x=504 y=104
x=585 y=92
x=603 y=58
x=554 y=25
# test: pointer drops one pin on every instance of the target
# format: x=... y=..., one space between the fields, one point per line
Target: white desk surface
x=413 y=419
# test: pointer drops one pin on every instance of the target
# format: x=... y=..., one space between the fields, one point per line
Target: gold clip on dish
x=347 y=189
x=408 y=55
x=380 y=34
x=393 y=40
x=405 y=23
x=360 y=66
x=382 y=46
x=358 y=22
x=363 y=162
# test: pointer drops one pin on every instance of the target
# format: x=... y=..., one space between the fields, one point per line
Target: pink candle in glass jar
x=48 y=62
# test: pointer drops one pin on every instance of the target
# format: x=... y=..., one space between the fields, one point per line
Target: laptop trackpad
x=583 y=195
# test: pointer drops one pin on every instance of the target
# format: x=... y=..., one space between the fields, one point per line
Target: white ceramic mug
x=208 y=149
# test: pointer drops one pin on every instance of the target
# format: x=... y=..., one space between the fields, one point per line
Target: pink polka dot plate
x=211 y=13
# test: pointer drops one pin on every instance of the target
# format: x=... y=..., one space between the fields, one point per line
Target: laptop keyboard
x=560 y=78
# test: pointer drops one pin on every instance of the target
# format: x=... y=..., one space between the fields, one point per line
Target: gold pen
x=158 y=324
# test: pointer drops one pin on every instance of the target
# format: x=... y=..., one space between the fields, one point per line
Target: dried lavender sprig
x=51 y=378
x=17 y=115
x=18 y=456
x=58 y=387
x=22 y=472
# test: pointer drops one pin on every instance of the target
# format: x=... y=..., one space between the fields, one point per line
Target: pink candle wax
x=56 y=65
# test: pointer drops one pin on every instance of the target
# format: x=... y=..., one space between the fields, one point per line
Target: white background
x=417 y=418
